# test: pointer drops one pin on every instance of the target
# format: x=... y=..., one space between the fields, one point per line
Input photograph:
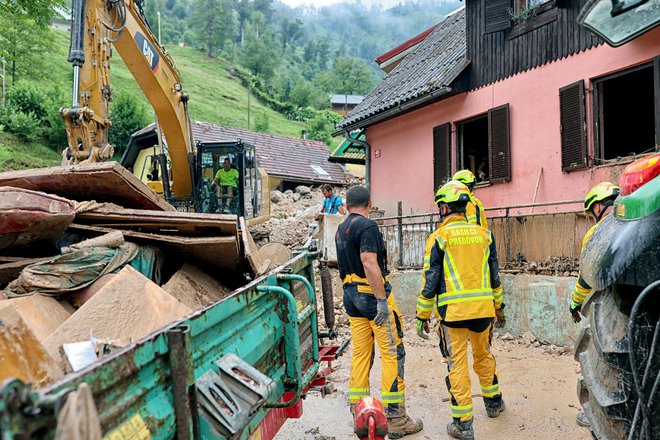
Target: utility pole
x=3 y=78
x=249 y=93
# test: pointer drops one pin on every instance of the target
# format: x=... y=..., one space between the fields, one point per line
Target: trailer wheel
x=606 y=390
x=328 y=297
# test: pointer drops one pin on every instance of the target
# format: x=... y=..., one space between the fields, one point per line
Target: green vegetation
x=16 y=154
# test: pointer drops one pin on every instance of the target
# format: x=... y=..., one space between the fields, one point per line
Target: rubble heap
x=293 y=216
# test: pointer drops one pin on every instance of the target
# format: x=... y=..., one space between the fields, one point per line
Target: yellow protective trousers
x=389 y=340
x=454 y=347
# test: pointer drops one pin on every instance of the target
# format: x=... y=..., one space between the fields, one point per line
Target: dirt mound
x=552 y=266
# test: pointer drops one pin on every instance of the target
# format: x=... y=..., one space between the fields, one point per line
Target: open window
x=472 y=137
x=483 y=145
x=625 y=113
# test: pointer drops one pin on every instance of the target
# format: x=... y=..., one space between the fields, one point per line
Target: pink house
x=536 y=105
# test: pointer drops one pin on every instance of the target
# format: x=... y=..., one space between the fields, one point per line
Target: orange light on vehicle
x=638 y=173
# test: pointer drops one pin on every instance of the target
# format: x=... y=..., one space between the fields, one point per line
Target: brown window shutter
x=573 y=127
x=441 y=154
x=497 y=15
x=499 y=144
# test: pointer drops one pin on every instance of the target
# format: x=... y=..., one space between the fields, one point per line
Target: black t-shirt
x=358 y=234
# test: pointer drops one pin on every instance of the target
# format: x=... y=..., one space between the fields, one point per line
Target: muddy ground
x=538 y=388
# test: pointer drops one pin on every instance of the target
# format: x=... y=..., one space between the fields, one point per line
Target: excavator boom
x=98 y=25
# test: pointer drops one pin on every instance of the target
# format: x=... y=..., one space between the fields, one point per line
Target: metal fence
x=517 y=233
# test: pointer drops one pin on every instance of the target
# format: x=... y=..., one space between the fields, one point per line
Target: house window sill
x=546 y=14
x=484 y=184
x=606 y=163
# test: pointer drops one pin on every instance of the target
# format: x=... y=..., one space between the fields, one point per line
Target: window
x=625 y=113
x=483 y=145
x=520 y=6
x=573 y=127
x=472 y=139
x=497 y=16
x=441 y=154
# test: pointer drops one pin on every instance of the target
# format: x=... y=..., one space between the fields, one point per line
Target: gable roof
x=423 y=75
x=386 y=60
x=281 y=156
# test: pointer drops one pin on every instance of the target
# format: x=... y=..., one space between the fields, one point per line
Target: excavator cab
x=214 y=197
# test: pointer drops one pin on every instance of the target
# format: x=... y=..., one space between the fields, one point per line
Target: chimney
x=303 y=134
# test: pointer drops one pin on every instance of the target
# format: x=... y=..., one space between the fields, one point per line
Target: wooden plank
x=103 y=182
x=213 y=253
x=155 y=221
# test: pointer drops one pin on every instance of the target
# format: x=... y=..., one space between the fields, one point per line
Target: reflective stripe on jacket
x=582 y=290
x=475 y=213
x=461 y=272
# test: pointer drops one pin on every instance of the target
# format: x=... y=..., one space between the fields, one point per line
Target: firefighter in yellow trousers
x=474 y=210
x=597 y=204
x=373 y=313
x=461 y=279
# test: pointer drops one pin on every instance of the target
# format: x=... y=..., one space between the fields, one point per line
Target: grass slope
x=16 y=154
x=215 y=96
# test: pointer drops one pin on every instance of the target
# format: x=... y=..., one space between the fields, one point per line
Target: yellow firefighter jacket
x=582 y=289
x=475 y=213
x=460 y=273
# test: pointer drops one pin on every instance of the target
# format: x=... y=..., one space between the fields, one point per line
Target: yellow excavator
x=176 y=168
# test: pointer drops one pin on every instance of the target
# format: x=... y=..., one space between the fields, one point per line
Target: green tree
x=128 y=115
x=262 y=122
x=22 y=39
x=322 y=126
x=260 y=54
x=212 y=22
x=352 y=76
x=291 y=31
x=41 y=11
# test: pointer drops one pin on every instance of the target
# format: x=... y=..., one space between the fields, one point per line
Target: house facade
x=532 y=103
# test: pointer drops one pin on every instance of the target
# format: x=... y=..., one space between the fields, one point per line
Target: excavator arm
x=97 y=25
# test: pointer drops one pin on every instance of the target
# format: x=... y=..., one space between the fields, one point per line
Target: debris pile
x=552 y=266
x=85 y=275
x=293 y=216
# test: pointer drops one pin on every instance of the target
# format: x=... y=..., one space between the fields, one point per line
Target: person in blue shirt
x=332 y=204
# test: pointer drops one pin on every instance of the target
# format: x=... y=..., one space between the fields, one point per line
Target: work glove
x=575 y=310
x=422 y=328
x=500 y=317
x=382 y=312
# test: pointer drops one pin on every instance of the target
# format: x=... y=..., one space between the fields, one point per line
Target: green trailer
x=236 y=369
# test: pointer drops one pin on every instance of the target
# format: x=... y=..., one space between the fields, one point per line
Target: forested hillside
x=290 y=60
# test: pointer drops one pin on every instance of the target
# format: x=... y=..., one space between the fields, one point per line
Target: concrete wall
x=534 y=303
x=402 y=148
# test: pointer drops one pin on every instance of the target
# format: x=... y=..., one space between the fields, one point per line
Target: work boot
x=401 y=426
x=494 y=406
x=461 y=430
x=582 y=420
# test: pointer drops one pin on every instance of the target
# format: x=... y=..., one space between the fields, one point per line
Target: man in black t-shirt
x=372 y=311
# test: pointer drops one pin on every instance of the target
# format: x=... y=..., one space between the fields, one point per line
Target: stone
x=41 y=314
x=536 y=344
x=296 y=197
x=567 y=273
x=288 y=192
x=127 y=308
x=302 y=189
x=276 y=196
x=21 y=354
x=529 y=337
x=507 y=337
x=195 y=288
x=574 y=273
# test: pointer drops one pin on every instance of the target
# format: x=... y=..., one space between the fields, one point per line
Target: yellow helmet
x=465 y=177
x=602 y=191
x=451 y=192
